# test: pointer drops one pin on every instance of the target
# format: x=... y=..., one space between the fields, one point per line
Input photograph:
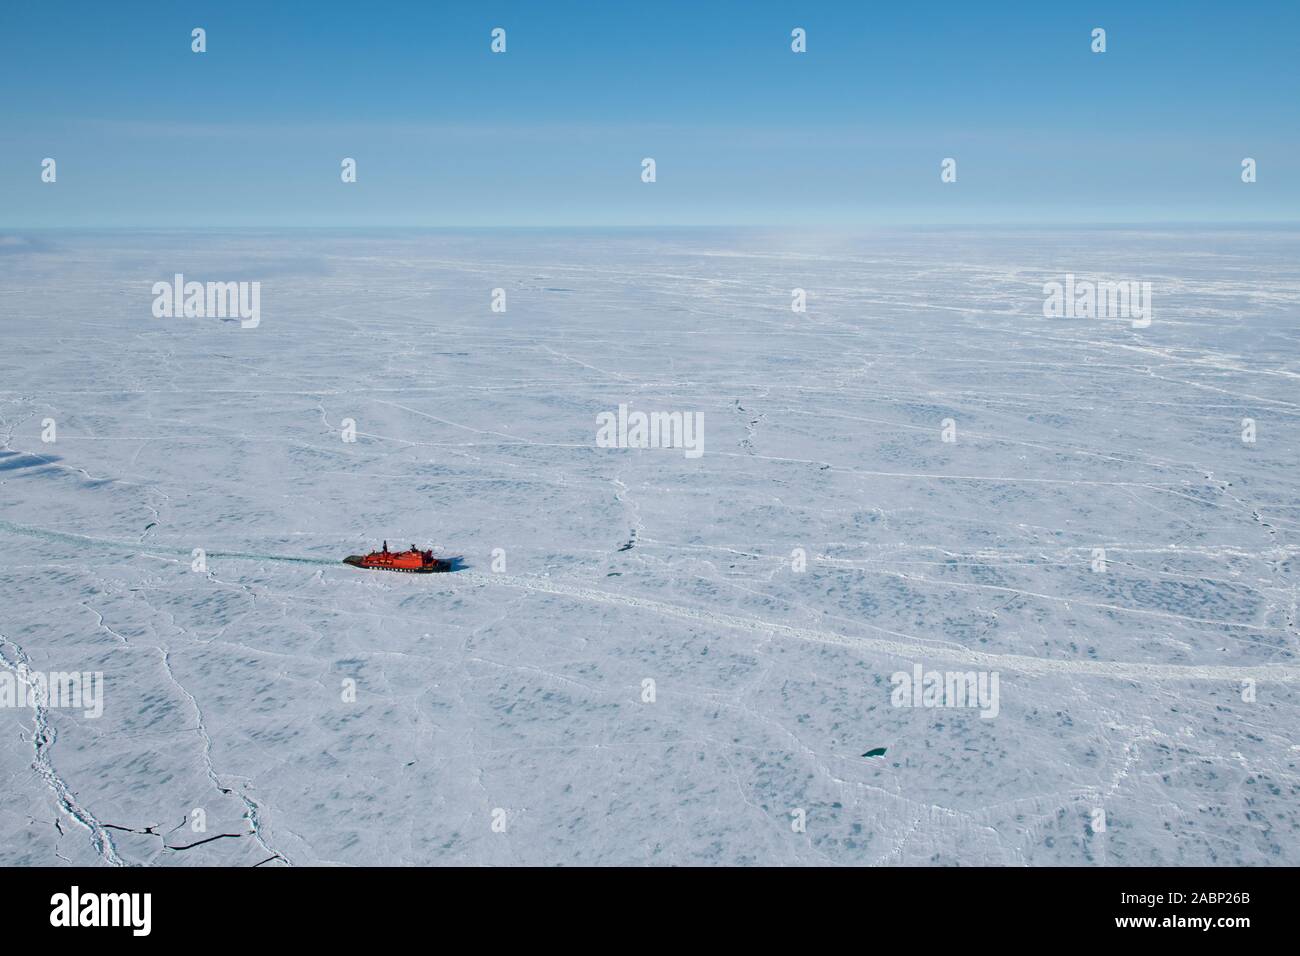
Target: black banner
x=341 y=906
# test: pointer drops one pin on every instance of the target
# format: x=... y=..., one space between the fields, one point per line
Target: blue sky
x=852 y=133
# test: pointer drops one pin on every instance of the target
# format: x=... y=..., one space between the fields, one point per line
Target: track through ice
x=1012 y=662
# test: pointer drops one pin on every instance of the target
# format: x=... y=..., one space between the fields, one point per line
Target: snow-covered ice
x=1158 y=695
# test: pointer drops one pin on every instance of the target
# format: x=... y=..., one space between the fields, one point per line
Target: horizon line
x=824 y=227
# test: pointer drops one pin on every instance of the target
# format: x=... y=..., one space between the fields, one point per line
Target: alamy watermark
x=220 y=300
x=75 y=908
x=626 y=429
x=922 y=688
x=74 y=690
x=1086 y=299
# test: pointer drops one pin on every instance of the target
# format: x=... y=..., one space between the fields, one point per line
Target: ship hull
x=358 y=561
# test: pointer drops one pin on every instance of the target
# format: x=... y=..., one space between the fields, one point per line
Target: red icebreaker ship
x=414 y=561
